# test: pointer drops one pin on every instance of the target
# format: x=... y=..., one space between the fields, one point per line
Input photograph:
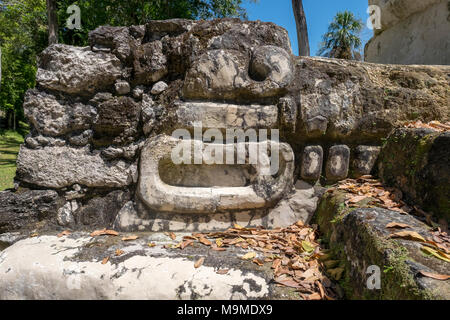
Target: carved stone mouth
x=162 y=193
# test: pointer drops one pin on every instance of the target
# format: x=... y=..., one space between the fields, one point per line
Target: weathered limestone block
x=22 y=209
x=122 y=87
x=412 y=32
x=225 y=116
x=312 y=161
x=71 y=268
x=365 y=159
x=159 y=88
x=225 y=74
x=77 y=71
x=55 y=118
x=363 y=102
x=417 y=161
x=150 y=63
x=158 y=195
x=317 y=126
x=82 y=139
x=59 y=167
x=359 y=239
x=65 y=214
x=338 y=163
x=100 y=212
x=118 y=40
x=117 y=122
x=288 y=110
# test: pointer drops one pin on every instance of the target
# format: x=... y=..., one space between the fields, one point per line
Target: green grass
x=9 y=148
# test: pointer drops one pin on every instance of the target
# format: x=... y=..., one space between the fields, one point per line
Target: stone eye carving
x=234 y=76
x=271 y=63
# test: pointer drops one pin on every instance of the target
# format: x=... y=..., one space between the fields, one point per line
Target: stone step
x=73 y=267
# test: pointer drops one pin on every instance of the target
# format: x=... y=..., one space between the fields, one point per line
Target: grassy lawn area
x=9 y=148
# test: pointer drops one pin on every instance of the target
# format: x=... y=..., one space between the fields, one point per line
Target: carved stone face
x=103 y=116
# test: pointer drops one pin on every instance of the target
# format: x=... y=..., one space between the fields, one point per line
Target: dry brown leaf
x=288 y=283
x=64 y=233
x=223 y=271
x=186 y=243
x=151 y=244
x=172 y=236
x=276 y=263
x=397 y=225
x=199 y=263
x=249 y=256
x=218 y=249
x=258 y=262
x=130 y=238
x=435 y=276
x=105 y=260
x=204 y=241
x=408 y=235
x=104 y=232
x=119 y=252
x=314 y=296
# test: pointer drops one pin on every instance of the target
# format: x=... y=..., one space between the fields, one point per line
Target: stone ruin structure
x=412 y=32
x=102 y=119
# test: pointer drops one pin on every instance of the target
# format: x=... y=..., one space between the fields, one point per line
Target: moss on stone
x=356 y=245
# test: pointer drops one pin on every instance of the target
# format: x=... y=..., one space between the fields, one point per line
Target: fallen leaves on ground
x=372 y=190
x=292 y=252
x=171 y=235
x=408 y=235
x=199 y=263
x=434 y=276
x=119 y=252
x=105 y=260
x=435 y=125
x=104 y=232
x=436 y=253
x=151 y=244
x=64 y=233
x=130 y=238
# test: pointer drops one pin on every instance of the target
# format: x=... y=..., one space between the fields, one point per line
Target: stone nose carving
x=225 y=191
x=233 y=75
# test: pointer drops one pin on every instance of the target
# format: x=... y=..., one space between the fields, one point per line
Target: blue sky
x=319 y=13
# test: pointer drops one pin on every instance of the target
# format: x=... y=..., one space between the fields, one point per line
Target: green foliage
x=343 y=37
x=22 y=35
x=95 y=13
x=24 y=31
x=9 y=147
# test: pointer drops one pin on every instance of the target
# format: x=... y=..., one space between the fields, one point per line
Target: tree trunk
x=52 y=22
x=302 y=28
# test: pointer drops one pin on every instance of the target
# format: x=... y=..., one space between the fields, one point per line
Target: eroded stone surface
x=338 y=163
x=77 y=70
x=59 y=167
x=312 y=162
x=54 y=118
x=160 y=196
x=71 y=269
x=365 y=159
x=224 y=116
x=19 y=210
x=360 y=239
